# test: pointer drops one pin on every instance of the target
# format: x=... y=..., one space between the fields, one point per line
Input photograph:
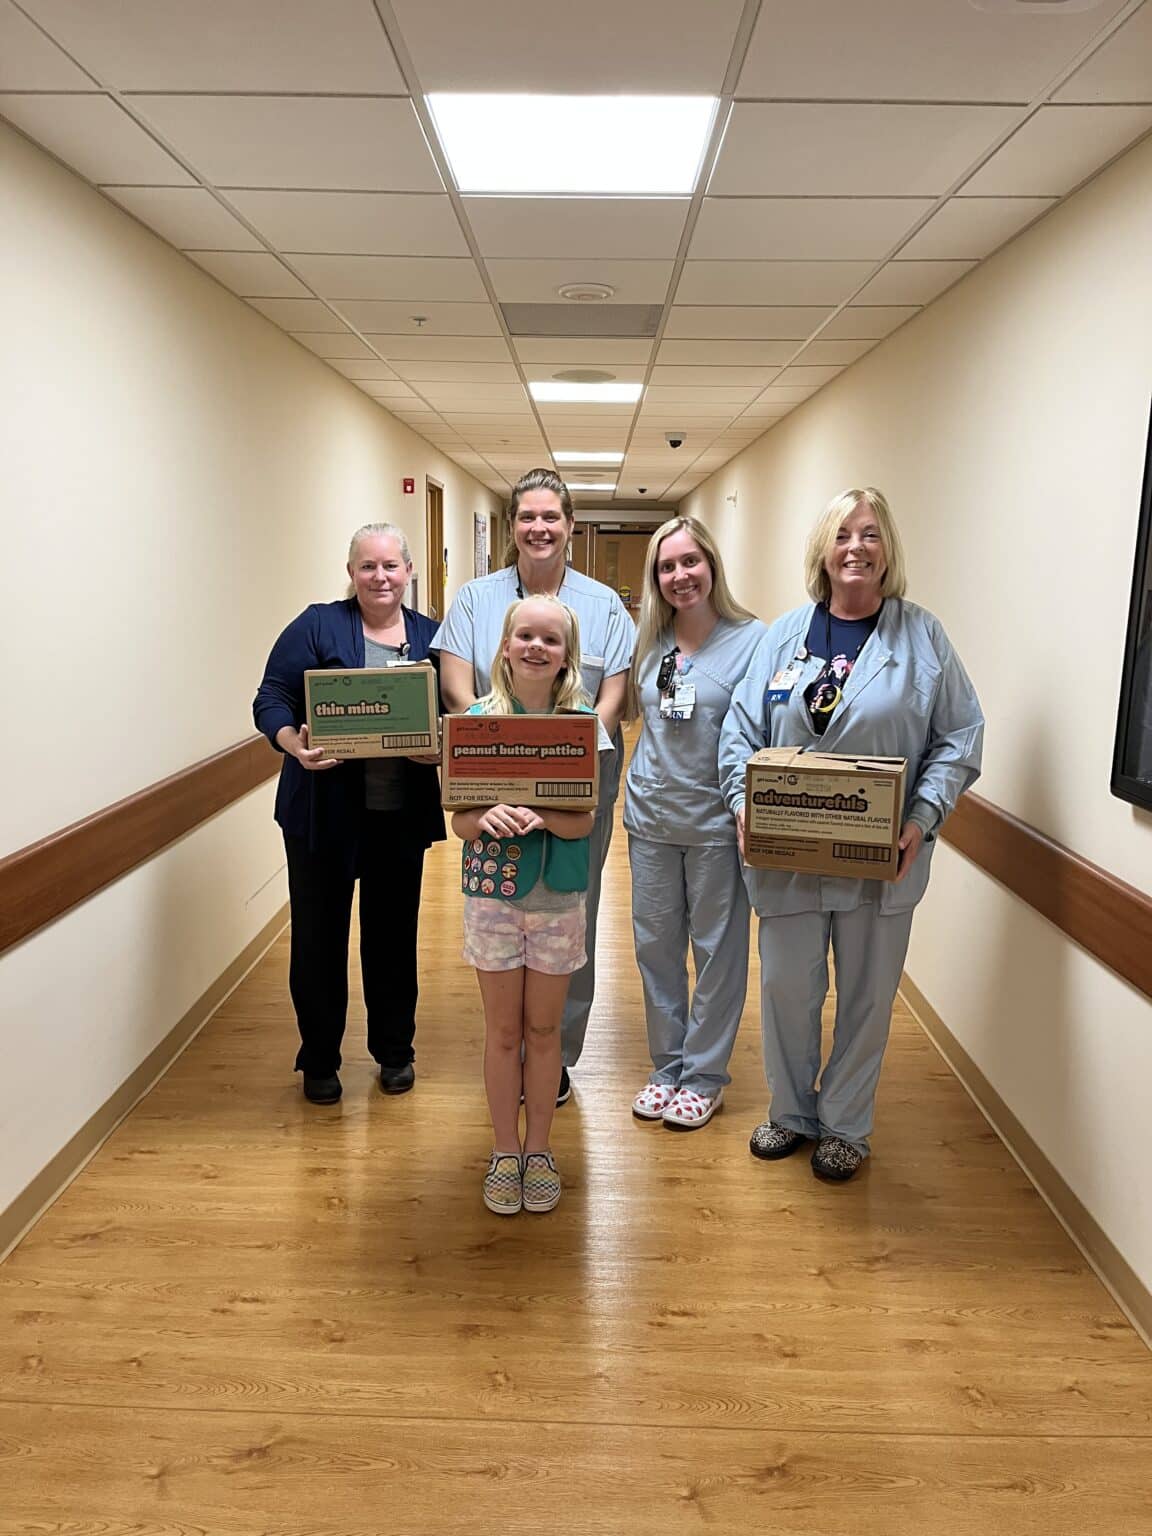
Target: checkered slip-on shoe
x=772 y=1141
x=541 y=1182
x=835 y=1160
x=502 y=1189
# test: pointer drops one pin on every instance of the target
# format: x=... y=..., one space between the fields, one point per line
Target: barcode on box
x=862 y=852
x=566 y=791
x=415 y=739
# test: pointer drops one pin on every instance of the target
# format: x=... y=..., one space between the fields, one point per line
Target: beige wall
x=1007 y=425
x=179 y=478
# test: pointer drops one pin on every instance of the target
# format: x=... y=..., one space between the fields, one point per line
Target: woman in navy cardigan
x=370 y=820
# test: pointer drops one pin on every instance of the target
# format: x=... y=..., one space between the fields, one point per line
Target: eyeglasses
x=667 y=670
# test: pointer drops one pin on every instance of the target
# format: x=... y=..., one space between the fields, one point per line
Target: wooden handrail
x=1109 y=918
x=46 y=879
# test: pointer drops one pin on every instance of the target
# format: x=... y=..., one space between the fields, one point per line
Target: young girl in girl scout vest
x=525 y=871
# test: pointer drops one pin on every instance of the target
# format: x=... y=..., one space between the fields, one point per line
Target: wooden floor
x=250 y=1315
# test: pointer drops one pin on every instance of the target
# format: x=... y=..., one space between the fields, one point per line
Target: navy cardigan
x=328 y=808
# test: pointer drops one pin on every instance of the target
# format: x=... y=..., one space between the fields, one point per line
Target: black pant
x=390 y=867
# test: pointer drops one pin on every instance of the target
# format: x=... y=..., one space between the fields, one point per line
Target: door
x=437 y=574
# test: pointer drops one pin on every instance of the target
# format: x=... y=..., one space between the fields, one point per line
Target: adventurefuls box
x=824 y=813
x=545 y=760
x=373 y=711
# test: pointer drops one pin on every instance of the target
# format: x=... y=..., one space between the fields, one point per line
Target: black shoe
x=836 y=1160
x=397 y=1079
x=564 y=1093
x=322 y=1090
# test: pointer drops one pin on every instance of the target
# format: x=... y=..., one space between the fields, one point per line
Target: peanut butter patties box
x=823 y=813
x=545 y=760
x=373 y=711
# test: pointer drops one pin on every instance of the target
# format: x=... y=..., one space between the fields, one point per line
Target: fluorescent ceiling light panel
x=575 y=145
x=586 y=394
x=588 y=458
x=576 y=485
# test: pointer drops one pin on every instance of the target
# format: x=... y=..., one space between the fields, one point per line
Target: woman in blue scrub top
x=694 y=645
x=858 y=670
x=540 y=523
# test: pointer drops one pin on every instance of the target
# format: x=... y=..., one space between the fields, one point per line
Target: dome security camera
x=675 y=439
x=643 y=489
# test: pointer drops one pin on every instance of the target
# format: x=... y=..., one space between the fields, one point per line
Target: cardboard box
x=373 y=711
x=823 y=813
x=546 y=760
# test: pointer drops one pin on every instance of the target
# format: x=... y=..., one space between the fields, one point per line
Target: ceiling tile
x=787 y=394
x=592 y=353
x=709 y=383
x=386 y=389
x=913 y=282
x=867 y=322
x=536 y=282
x=465 y=373
x=545 y=372
x=1119 y=71
x=681 y=48
x=803 y=228
x=866 y=149
x=443 y=349
x=398 y=318
x=462 y=396
x=806 y=374
x=973 y=227
x=768 y=322
x=187 y=217
x=355 y=368
x=526 y=228
x=756 y=354
x=912 y=50
x=1057 y=149
x=354 y=223
x=297 y=316
x=821 y=351
x=773 y=283
x=30 y=62
x=250 y=274
x=222 y=45
x=95 y=137
x=412 y=278
x=334 y=344
x=309 y=142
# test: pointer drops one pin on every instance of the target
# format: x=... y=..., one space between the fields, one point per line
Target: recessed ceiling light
x=583 y=145
x=588 y=458
x=579 y=485
x=586 y=394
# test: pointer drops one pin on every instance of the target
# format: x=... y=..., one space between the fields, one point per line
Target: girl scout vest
x=506 y=868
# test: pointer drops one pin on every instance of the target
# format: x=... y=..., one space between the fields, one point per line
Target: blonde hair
x=568 y=685
x=534 y=480
x=823 y=538
x=656 y=613
x=377 y=531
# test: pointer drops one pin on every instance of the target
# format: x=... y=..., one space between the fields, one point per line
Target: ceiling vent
x=584 y=376
x=582 y=319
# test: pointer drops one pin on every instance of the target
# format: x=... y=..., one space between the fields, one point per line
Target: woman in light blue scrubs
x=862 y=671
x=695 y=644
x=540 y=522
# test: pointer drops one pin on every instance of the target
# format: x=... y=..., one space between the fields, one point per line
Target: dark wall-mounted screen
x=1132 y=763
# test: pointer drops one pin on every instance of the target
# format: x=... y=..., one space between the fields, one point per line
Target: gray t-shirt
x=673 y=786
x=383 y=776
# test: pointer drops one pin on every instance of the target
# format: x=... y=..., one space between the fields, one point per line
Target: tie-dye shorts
x=502 y=936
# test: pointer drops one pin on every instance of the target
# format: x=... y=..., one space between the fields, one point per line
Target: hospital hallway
x=252 y=1315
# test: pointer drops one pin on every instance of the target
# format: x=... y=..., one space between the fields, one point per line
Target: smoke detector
x=586 y=293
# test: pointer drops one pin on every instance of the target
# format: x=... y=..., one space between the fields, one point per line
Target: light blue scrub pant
x=582 y=987
x=683 y=894
x=869 y=950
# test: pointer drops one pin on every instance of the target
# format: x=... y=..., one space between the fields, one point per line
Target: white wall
x=1007 y=425
x=179 y=478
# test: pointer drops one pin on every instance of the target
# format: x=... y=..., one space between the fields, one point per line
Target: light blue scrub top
x=908 y=696
x=475 y=622
x=673 y=784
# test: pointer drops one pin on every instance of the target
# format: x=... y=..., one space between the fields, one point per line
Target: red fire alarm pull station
x=409 y=486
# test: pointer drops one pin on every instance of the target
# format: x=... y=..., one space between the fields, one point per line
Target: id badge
x=779 y=690
x=679 y=704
